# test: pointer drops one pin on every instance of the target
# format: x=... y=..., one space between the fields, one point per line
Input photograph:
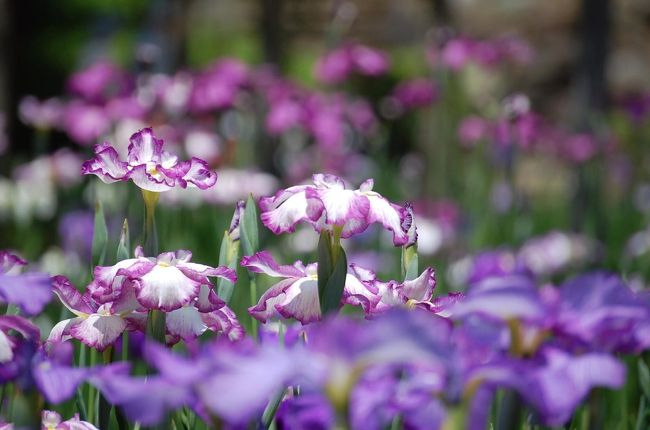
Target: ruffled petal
x=166 y=288
x=198 y=175
x=224 y=321
x=144 y=147
x=282 y=212
x=99 y=331
x=357 y=293
x=108 y=280
x=9 y=261
x=263 y=262
x=341 y=206
x=106 y=165
x=199 y=272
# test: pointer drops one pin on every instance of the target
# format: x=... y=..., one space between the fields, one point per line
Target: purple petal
x=71 y=297
x=99 y=331
x=106 y=165
x=29 y=291
x=199 y=175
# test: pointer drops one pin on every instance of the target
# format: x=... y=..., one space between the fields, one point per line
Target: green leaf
x=331 y=298
x=324 y=262
x=228 y=256
x=644 y=378
x=124 y=246
x=248 y=229
x=100 y=236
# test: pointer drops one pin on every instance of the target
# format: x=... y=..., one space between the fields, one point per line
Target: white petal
x=6 y=353
x=185 y=322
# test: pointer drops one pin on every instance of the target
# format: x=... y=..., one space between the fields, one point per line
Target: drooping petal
x=208 y=300
x=99 y=331
x=108 y=281
x=61 y=330
x=301 y=301
x=185 y=323
x=166 y=288
x=199 y=272
x=389 y=215
x=282 y=212
x=71 y=297
x=263 y=262
x=106 y=165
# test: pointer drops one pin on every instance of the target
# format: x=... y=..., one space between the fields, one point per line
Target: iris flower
x=328 y=204
x=29 y=291
x=296 y=296
x=148 y=166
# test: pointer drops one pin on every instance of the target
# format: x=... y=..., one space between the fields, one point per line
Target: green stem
x=253 y=292
x=156 y=326
x=150 y=234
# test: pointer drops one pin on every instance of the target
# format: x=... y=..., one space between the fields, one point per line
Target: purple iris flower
x=44 y=115
x=100 y=82
x=338 y=65
x=219 y=86
x=328 y=204
x=85 y=123
x=18 y=340
x=600 y=310
x=414 y=94
x=148 y=166
x=307 y=411
x=29 y=291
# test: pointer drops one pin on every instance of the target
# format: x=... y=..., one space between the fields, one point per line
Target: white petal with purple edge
x=144 y=147
x=199 y=175
x=301 y=301
x=388 y=215
x=266 y=307
x=166 y=288
x=263 y=262
x=420 y=288
x=99 y=331
x=106 y=165
x=61 y=331
x=283 y=213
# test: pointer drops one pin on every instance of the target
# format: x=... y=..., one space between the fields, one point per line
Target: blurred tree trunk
x=271 y=31
x=441 y=13
x=589 y=213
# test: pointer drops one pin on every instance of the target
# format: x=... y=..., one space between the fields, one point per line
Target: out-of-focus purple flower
x=44 y=115
x=504 y=298
x=473 y=129
x=284 y=114
x=148 y=166
x=235 y=185
x=599 y=310
x=384 y=393
x=328 y=204
x=495 y=263
x=637 y=106
x=29 y=291
x=99 y=82
x=338 y=65
x=414 y=94
x=203 y=144
x=125 y=108
x=76 y=233
x=218 y=87
x=456 y=53
x=297 y=295
x=555 y=252
x=307 y=411
x=10 y=327
x=53 y=421
x=579 y=148
x=85 y=123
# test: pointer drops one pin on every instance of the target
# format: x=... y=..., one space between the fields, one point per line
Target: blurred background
x=517 y=129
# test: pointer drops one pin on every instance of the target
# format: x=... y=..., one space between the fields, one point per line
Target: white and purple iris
x=119 y=297
x=148 y=166
x=328 y=204
x=296 y=296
